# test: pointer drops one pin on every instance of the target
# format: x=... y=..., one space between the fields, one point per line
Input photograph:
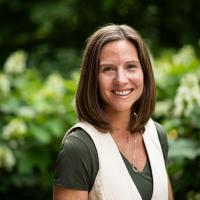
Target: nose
x=121 y=77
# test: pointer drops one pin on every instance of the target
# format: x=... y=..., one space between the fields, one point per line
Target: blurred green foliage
x=36 y=112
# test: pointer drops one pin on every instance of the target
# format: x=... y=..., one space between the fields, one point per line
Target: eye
x=108 y=69
x=131 y=67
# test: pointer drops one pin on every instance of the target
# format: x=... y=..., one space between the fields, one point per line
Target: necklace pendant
x=135 y=169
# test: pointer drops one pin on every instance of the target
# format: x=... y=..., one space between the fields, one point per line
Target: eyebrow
x=106 y=64
x=127 y=62
x=134 y=62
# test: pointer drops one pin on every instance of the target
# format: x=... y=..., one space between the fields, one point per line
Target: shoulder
x=161 y=132
x=78 y=139
x=162 y=135
x=77 y=163
x=80 y=144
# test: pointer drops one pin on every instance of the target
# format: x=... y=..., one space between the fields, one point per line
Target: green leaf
x=40 y=133
x=184 y=148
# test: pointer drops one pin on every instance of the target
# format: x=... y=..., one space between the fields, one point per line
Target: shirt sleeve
x=77 y=163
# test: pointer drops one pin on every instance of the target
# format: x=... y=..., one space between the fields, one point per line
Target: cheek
x=138 y=79
x=105 y=84
x=141 y=80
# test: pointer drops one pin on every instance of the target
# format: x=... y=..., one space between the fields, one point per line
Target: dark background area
x=54 y=32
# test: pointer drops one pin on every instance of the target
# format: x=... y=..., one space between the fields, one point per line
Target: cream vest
x=113 y=181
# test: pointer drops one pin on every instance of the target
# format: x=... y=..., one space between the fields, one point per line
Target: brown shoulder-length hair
x=88 y=100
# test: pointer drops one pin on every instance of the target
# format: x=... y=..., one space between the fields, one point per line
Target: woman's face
x=120 y=76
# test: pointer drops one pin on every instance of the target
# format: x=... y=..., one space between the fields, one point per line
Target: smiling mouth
x=122 y=93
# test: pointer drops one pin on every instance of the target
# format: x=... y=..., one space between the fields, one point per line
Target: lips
x=122 y=92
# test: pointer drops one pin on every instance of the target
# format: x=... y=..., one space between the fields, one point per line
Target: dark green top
x=77 y=164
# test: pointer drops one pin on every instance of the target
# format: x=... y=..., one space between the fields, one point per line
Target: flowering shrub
x=178 y=109
x=36 y=112
x=188 y=95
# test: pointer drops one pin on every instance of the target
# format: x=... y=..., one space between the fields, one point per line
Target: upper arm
x=60 y=193
x=170 y=192
x=77 y=163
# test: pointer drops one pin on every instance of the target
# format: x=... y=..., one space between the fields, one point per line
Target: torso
x=83 y=149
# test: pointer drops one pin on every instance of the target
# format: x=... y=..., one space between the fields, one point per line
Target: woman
x=115 y=151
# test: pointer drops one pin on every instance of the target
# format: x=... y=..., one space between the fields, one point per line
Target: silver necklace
x=135 y=169
x=134 y=153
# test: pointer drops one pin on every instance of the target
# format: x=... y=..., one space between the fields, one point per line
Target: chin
x=119 y=108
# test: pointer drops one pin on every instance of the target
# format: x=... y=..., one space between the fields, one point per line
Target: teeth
x=122 y=93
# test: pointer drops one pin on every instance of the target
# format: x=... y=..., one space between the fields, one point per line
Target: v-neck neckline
x=130 y=164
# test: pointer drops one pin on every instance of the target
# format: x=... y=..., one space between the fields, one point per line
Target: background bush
x=35 y=113
x=178 y=109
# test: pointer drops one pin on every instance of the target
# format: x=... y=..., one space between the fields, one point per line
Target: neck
x=119 y=122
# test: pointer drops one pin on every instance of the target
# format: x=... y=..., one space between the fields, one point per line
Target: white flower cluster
x=15 y=129
x=188 y=95
x=54 y=85
x=53 y=90
x=7 y=159
x=16 y=62
x=163 y=107
x=184 y=57
x=4 y=85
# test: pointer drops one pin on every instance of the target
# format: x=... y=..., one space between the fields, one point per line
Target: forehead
x=120 y=49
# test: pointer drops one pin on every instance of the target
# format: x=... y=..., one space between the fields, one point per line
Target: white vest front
x=113 y=181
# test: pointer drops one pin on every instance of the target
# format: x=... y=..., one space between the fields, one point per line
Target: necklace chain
x=134 y=153
x=135 y=143
x=132 y=161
